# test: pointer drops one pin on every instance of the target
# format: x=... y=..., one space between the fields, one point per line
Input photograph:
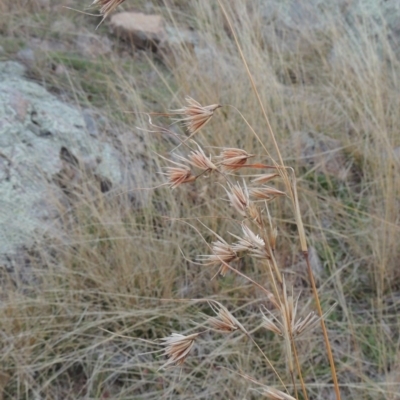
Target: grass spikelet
x=178 y=175
x=194 y=115
x=223 y=254
x=239 y=198
x=233 y=159
x=224 y=321
x=107 y=6
x=178 y=347
x=198 y=159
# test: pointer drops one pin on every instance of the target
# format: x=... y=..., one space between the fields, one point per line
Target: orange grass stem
x=257 y=165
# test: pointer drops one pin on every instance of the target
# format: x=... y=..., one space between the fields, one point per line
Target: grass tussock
x=83 y=321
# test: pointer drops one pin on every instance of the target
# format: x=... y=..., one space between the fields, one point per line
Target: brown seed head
x=271 y=323
x=222 y=254
x=233 y=159
x=302 y=325
x=179 y=175
x=224 y=321
x=107 y=6
x=195 y=116
x=287 y=325
x=239 y=198
x=265 y=193
x=273 y=234
x=251 y=243
x=198 y=159
x=254 y=213
x=264 y=178
x=178 y=347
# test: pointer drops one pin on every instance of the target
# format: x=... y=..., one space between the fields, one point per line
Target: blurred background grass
x=123 y=274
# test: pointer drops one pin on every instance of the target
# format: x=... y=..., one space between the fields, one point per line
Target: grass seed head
x=271 y=323
x=254 y=214
x=222 y=254
x=302 y=325
x=178 y=347
x=264 y=178
x=239 y=198
x=224 y=321
x=107 y=6
x=195 y=116
x=232 y=159
x=198 y=159
x=265 y=193
x=251 y=243
x=179 y=175
x=273 y=234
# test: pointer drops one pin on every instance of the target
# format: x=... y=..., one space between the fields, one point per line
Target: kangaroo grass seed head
x=198 y=159
x=239 y=198
x=288 y=313
x=254 y=214
x=251 y=243
x=251 y=237
x=107 y=6
x=271 y=323
x=178 y=347
x=179 y=174
x=264 y=178
x=195 y=116
x=273 y=234
x=224 y=321
x=223 y=254
x=308 y=322
x=232 y=159
x=302 y=325
x=265 y=193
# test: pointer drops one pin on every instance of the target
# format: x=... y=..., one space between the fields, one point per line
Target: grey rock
x=142 y=30
x=90 y=122
x=12 y=68
x=43 y=141
x=27 y=57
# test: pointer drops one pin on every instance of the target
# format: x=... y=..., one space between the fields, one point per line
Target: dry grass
x=85 y=323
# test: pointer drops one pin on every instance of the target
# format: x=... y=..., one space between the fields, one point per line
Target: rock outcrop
x=142 y=30
x=45 y=145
